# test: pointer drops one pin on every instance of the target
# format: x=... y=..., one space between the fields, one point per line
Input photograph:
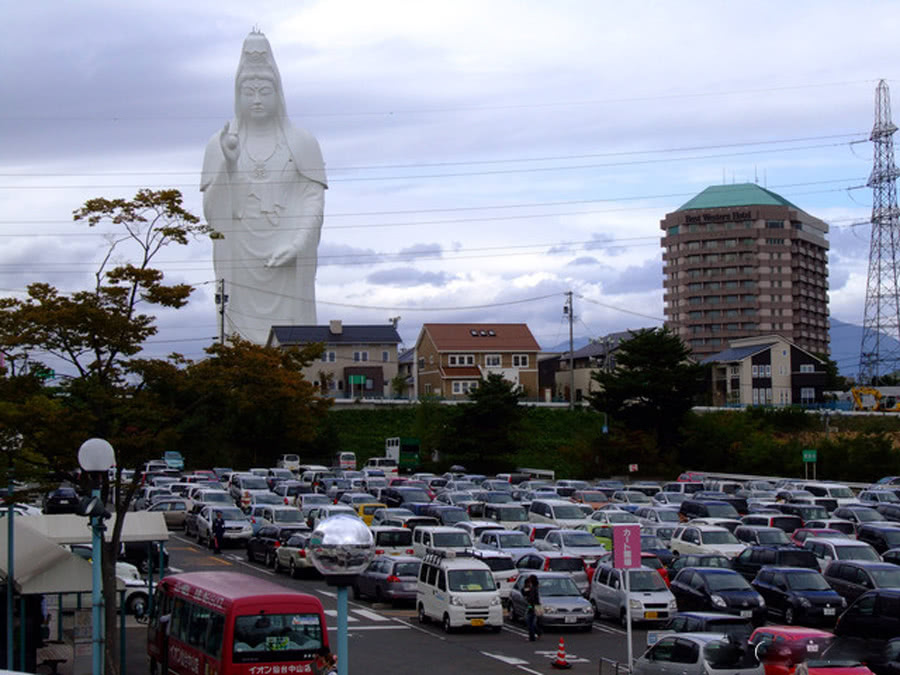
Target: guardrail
x=715 y=475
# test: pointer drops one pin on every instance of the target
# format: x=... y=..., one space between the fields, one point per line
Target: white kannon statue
x=263 y=187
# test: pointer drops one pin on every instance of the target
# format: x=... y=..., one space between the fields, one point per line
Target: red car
x=802 y=533
x=782 y=648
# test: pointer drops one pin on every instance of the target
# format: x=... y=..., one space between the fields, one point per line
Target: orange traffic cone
x=560 y=661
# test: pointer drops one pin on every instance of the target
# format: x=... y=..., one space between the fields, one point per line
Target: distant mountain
x=845 y=342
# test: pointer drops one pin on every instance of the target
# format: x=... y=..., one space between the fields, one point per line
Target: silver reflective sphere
x=341 y=545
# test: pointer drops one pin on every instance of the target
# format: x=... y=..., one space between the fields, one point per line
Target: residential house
x=766 y=370
x=358 y=362
x=453 y=358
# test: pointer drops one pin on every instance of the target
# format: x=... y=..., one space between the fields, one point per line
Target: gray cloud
x=422 y=251
x=344 y=254
x=583 y=260
x=635 y=279
x=408 y=276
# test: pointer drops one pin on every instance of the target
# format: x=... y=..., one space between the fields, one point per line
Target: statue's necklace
x=260 y=172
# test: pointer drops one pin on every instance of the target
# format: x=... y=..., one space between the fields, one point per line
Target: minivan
x=559 y=512
x=648 y=598
x=458 y=591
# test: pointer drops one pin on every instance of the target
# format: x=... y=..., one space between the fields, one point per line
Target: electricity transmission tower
x=880 y=351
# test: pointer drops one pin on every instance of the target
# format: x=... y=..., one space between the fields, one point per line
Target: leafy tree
x=653 y=386
x=483 y=431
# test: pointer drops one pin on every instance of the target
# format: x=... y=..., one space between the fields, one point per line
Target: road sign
x=627 y=546
x=632 y=468
x=809 y=456
x=356 y=379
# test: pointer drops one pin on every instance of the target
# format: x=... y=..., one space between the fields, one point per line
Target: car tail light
x=301 y=553
x=277 y=544
x=393 y=579
x=512 y=579
x=547 y=564
x=410 y=551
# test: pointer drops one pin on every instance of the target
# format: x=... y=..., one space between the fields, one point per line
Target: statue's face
x=258 y=99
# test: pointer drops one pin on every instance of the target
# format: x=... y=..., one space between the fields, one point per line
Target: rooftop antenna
x=755 y=175
x=879 y=352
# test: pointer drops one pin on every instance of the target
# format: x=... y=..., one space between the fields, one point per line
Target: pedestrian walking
x=533 y=611
x=218 y=531
x=325 y=663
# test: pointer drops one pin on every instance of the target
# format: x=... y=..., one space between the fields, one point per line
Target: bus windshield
x=276 y=637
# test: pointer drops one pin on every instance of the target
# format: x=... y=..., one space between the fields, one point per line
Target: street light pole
x=96 y=456
x=10 y=575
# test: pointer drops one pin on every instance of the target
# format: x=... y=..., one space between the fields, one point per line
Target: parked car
x=647 y=599
x=801 y=535
x=292 y=555
x=705 y=539
x=736 y=627
x=887 y=660
x=512 y=542
x=173 y=510
x=857 y=514
x=852 y=578
x=63 y=499
x=237 y=528
x=562 y=602
x=388 y=579
x=754 y=558
x=716 y=589
x=697 y=508
x=757 y=534
x=799 y=595
x=261 y=547
x=657 y=515
x=827 y=550
x=144 y=555
x=503 y=569
x=874 y=616
x=783 y=521
x=783 y=648
x=881 y=537
x=553 y=561
x=679 y=562
x=576 y=543
x=696 y=654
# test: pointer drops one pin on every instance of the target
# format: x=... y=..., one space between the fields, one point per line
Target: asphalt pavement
x=385 y=640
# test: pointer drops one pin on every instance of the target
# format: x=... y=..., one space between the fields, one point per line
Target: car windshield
x=840 y=492
x=407 y=569
x=721 y=511
x=726 y=582
x=292 y=636
x=728 y=655
x=645 y=580
x=666 y=516
x=709 y=561
x=651 y=543
x=254 y=483
x=415 y=496
x=516 y=540
x=452 y=516
x=557 y=586
x=458 y=539
x=567 y=512
x=593 y=496
x=215 y=497
x=797 y=557
x=807 y=581
x=288 y=516
x=856 y=553
x=674 y=497
x=296 y=542
x=267 y=498
x=773 y=537
x=395 y=538
x=867 y=515
x=665 y=532
x=565 y=565
x=579 y=539
x=470 y=581
x=786 y=523
x=635 y=497
x=886 y=578
x=516 y=514
x=718 y=538
x=621 y=517
x=229 y=513
x=496 y=497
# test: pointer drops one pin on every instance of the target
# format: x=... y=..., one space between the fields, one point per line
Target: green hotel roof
x=740 y=194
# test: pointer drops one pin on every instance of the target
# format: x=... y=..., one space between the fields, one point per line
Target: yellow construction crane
x=872 y=398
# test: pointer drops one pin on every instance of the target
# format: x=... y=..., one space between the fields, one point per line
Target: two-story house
x=358 y=362
x=766 y=370
x=453 y=358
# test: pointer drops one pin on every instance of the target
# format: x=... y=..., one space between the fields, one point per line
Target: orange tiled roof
x=459 y=337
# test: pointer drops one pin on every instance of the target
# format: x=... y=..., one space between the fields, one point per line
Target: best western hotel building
x=741 y=261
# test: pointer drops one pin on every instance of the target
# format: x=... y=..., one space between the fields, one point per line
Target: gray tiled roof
x=301 y=335
x=736 y=353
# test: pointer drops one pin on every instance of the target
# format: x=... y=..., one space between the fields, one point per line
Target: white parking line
x=334 y=613
x=370 y=615
x=511 y=660
x=326 y=593
x=356 y=628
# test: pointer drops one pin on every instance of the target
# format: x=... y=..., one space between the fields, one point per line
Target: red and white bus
x=226 y=623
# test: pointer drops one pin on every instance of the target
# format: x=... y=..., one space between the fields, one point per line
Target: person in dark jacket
x=218 y=531
x=533 y=602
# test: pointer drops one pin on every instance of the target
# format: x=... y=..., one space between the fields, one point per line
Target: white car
x=705 y=539
x=559 y=512
x=648 y=598
x=576 y=543
x=441 y=538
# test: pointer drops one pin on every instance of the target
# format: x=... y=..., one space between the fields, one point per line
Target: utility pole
x=568 y=309
x=221 y=301
x=877 y=355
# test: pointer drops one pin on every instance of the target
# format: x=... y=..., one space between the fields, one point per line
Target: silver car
x=697 y=654
x=561 y=601
x=388 y=579
x=648 y=598
x=237 y=528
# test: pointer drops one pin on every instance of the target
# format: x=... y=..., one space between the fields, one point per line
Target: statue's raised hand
x=281 y=256
x=230 y=144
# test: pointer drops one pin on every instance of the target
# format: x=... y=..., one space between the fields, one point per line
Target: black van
x=880 y=537
x=696 y=508
x=874 y=617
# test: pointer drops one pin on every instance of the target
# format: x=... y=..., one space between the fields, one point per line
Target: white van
x=289 y=461
x=458 y=591
x=345 y=461
x=427 y=539
x=386 y=464
x=559 y=512
x=842 y=493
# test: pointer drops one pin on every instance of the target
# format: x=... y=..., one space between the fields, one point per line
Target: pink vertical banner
x=627 y=546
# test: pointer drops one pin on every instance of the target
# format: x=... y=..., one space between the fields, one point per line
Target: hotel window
x=520 y=360
x=769 y=396
x=461 y=360
x=754 y=371
x=673 y=229
x=775 y=224
x=807 y=368
x=492 y=360
x=807 y=395
x=769 y=370
x=360 y=356
x=756 y=397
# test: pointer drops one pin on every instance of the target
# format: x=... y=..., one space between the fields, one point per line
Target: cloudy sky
x=484 y=157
